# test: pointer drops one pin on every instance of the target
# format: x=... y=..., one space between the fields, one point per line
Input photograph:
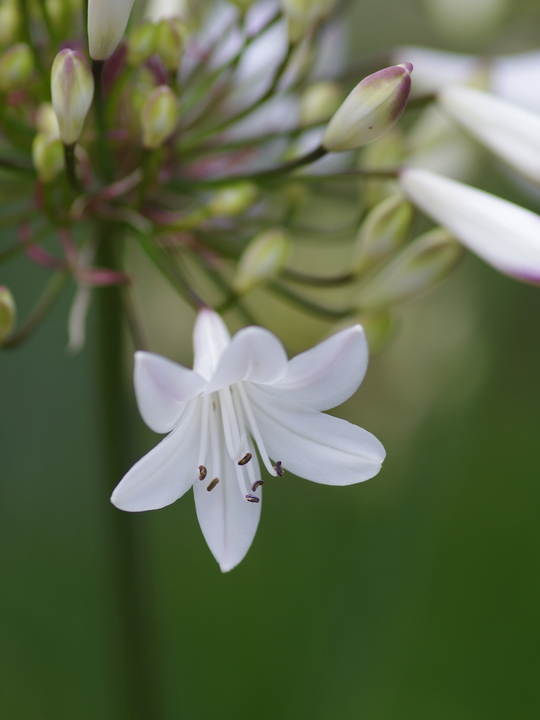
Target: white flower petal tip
x=503 y=234
x=107 y=20
x=245 y=399
x=510 y=132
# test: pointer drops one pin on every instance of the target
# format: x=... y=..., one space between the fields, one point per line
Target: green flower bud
x=170 y=40
x=72 y=89
x=242 y=4
x=384 y=229
x=159 y=116
x=418 y=268
x=48 y=156
x=370 y=110
x=107 y=20
x=46 y=121
x=16 y=67
x=264 y=257
x=8 y=313
x=141 y=43
x=319 y=102
x=233 y=199
x=9 y=21
x=303 y=14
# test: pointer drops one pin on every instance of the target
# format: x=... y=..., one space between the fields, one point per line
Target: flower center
x=231 y=406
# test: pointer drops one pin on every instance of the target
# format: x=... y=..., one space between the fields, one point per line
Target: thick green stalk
x=136 y=663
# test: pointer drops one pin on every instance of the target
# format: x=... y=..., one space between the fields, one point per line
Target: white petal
x=507 y=130
x=313 y=445
x=162 y=388
x=503 y=234
x=254 y=354
x=166 y=472
x=328 y=374
x=514 y=76
x=210 y=338
x=227 y=520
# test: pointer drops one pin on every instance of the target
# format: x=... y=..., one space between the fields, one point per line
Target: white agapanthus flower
x=243 y=396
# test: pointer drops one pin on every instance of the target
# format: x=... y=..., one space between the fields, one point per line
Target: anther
x=202 y=472
x=213 y=484
x=278 y=467
x=252 y=498
x=244 y=461
x=256 y=485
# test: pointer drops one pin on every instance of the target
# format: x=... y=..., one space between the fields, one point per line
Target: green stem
x=132 y=631
x=99 y=114
x=306 y=304
x=71 y=170
x=15 y=165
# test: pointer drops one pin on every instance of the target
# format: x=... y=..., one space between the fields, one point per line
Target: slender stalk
x=71 y=171
x=306 y=304
x=99 y=114
x=132 y=632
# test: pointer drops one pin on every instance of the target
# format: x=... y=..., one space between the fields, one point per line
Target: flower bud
x=386 y=153
x=370 y=110
x=7 y=313
x=16 y=67
x=303 y=14
x=263 y=258
x=170 y=39
x=9 y=21
x=46 y=122
x=242 y=5
x=48 y=156
x=72 y=88
x=384 y=229
x=141 y=43
x=419 y=267
x=158 y=117
x=233 y=199
x=107 y=20
x=319 y=102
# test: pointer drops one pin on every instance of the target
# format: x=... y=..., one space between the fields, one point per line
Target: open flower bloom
x=244 y=395
x=505 y=235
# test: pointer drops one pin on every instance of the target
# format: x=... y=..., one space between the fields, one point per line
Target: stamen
x=252 y=498
x=254 y=428
x=256 y=484
x=213 y=484
x=278 y=468
x=244 y=461
x=202 y=472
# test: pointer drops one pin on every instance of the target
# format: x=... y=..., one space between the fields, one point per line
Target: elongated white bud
x=263 y=258
x=370 y=110
x=503 y=234
x=507 y=130
x=72 y=89
x=418 y=268
x=107 y=21
x=158 y=117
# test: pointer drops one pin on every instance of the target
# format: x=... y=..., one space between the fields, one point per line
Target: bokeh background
x=412 y=596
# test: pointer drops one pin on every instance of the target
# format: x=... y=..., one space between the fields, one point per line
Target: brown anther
x=202 y=472
x=252 y=498
x=244 y=461
x=256 y=484
x=213 y=484
x=278 y=467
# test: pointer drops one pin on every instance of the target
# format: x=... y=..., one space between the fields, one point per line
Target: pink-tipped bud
x=107 y=20
x=370 y=110
x=158 y=117
x=72 y=89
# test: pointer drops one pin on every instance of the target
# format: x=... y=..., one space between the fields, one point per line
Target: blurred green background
x=414 y=595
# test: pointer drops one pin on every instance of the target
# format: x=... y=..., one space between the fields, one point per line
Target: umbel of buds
x=72 y=89
x=370 y=110
x=107 y=20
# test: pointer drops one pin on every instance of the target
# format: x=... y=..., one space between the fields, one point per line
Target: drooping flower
x=503 y=234
x=243 y=396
